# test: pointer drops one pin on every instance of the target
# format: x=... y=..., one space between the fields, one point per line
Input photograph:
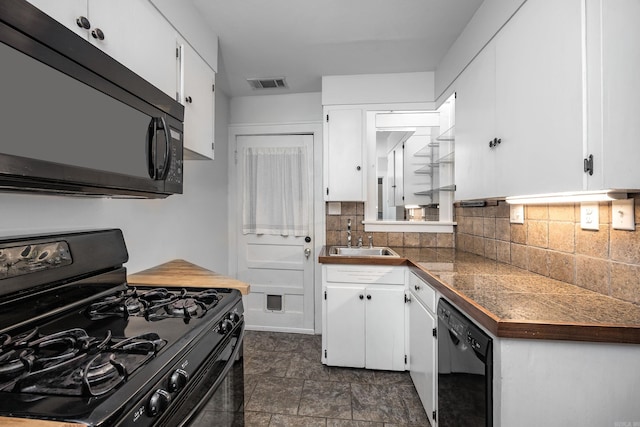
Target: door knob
x=307 y=252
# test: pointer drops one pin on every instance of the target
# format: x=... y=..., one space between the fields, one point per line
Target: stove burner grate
x=71 y=362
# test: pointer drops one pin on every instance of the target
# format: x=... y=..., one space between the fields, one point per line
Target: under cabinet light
x=568 y=197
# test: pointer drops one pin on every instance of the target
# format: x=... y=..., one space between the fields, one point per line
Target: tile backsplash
x=550 y=242
x=337 y=231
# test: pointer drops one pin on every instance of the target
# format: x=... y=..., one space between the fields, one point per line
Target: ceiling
x=303 y=40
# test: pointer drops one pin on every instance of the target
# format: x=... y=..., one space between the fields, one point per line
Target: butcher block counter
x=181 y=273
x=514 y=303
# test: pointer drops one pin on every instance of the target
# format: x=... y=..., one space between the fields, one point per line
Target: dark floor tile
x=379 y=402
x=351 y=375
x=326 y=399
x=303 y=366
x=352 y=423
x=276 y=395
x=296 y=421
x=269 y=363
x=256 y=419
x=392 y=377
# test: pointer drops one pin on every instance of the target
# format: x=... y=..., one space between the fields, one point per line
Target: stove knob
x=234 y=317
x=226 y=326
x=158 y=402
x=178 y=380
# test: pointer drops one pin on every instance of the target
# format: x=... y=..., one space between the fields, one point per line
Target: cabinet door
x=199 y=103
x=345 y=326
x=422 y=358
x=620 y=67
x=475 y=127
x=66 y=12
x=344 y=155
x=538 y=57
x=385 y=327
x=139 y=37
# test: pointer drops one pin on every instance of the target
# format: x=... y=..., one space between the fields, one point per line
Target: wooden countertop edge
x=20 y=422
x=181 y=273
x=504 y=328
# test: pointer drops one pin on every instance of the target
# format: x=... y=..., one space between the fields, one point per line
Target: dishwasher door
x=465 y=371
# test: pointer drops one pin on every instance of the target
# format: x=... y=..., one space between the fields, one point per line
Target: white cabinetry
x=196 y=93
x=422 y=342
x=131 y=31
x=344 y=171
x=525 y=90
x=363 y=316
x=613 y=66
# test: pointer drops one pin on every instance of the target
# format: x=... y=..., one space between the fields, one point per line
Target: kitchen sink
x=367 y=251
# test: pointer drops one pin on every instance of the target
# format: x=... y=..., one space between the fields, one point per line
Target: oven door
x=215 y=395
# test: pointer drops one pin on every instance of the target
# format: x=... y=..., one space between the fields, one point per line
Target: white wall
x=191 y=226
x=486 y=22
x=378 y=88
x=276 y=109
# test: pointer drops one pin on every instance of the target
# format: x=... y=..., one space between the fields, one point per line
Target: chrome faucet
x=349 y=233
x=370 y=241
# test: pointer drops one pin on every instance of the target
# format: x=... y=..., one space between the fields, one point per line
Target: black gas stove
x=78 y=344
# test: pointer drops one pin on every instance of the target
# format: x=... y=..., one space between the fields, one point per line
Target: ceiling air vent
x=268 y=83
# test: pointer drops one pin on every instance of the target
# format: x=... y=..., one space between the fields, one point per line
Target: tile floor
x=286 y=385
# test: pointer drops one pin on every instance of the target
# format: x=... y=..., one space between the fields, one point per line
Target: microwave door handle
x=151 y=147
x=167 y=150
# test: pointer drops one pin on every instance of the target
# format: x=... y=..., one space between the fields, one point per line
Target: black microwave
x=75 y=121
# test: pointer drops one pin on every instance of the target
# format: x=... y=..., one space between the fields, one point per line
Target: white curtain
x=275 y=194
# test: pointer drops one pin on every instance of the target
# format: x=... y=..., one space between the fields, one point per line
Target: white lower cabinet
x=363 y=317
x=422 y=343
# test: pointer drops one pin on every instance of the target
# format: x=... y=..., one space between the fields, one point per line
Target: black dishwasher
x=465 y=370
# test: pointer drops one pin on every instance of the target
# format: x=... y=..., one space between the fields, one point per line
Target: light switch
x=623 y=215
x=589 y=216
x=516 y=214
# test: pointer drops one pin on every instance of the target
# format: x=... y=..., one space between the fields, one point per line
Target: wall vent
x=268 y=83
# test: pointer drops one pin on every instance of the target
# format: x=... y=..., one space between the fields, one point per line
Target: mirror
x=405 y=170
x=411 y=156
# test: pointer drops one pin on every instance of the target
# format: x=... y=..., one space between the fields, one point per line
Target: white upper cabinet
x=519 y=107
x=344 y=169
x=613 y=86
x=539 y=99
x=131 y=31
x=68 y=12
x=475 y=126
x=197 y=87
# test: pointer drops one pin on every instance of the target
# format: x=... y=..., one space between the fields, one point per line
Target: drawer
x=365 y=274
x=423 y=291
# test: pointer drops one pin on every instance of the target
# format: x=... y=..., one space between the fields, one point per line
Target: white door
x=280 y=269
x=422 y=353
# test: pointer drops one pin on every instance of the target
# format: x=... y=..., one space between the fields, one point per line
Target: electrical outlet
x=516 y=214
x=623 y=215
x=589 y=216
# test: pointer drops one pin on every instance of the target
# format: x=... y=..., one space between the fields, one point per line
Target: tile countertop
x=515 y=303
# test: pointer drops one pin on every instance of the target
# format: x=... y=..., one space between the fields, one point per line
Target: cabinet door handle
x=417 y=287
x=97 y=34
x=368 y=296
x=358 y=168
x=361 y=296
x=83 y=22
